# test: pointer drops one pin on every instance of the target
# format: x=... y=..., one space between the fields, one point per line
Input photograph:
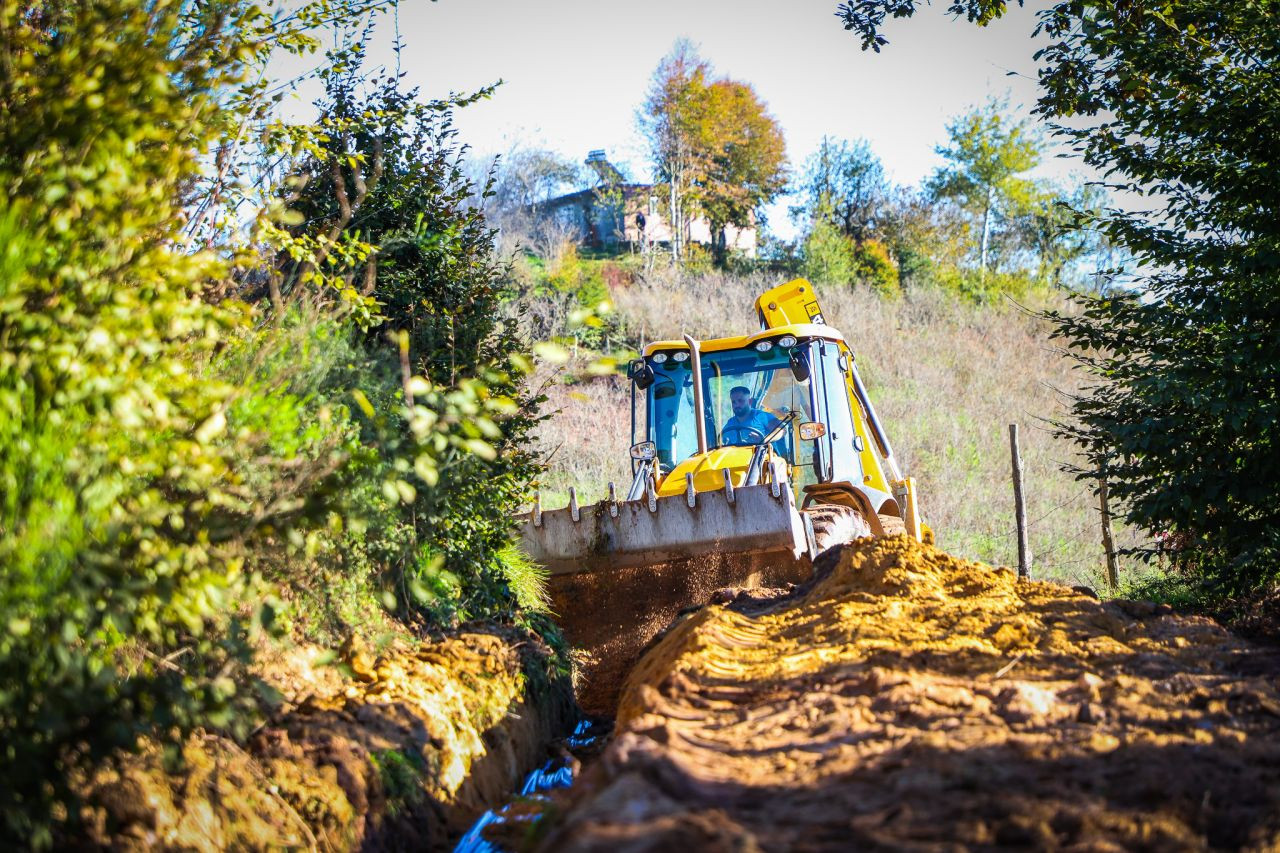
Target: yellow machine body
x=793 y=309
x=714 y=504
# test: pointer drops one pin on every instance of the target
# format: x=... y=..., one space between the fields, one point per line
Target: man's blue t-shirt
x=737 y=430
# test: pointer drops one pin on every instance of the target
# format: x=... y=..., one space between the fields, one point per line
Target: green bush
x=443 y=406
x=122 y=525
x=295 y=377
x=582 y=279
x=828 y=255
x=875 y=267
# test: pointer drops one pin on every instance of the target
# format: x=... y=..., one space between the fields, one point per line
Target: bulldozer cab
x=799 y=405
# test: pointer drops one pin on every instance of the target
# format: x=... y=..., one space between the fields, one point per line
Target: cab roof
x=799 y=330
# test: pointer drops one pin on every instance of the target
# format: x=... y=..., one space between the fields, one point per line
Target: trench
x=507 y=826
x=906 y=698
x=612 y=620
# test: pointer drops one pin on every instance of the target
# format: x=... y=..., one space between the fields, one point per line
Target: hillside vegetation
x=947 y=376
x=253 y=384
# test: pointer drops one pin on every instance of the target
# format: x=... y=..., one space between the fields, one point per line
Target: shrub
x=121 y=524
x=583 y=280
x=445 y=411
x=829 y=257
x=295 y=377
x=875 y=267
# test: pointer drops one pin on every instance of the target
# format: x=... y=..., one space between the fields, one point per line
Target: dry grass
x=947 y=379
x=586 y=439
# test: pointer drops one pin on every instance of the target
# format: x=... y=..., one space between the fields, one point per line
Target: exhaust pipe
x=695 y=356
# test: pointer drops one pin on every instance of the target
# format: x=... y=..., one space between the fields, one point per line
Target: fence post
x=1108 y=544
x=1020 y=506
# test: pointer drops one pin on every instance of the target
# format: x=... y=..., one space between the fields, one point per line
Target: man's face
x=741 y=403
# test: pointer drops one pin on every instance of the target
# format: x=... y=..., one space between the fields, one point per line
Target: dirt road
x=911 y=700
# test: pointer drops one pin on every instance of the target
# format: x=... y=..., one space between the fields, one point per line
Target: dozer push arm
x=877 y=431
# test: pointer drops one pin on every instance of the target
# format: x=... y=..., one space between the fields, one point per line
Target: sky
x=574 y=73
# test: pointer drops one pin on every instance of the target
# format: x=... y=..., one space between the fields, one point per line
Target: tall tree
x=1178 y=102
x=745 y=156
x=988 y=153
x=845 y=181
x=670 y=118
x=713 y=143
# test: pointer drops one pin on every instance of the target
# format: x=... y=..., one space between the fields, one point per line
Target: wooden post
x=1108 y=544
x=1020 y=506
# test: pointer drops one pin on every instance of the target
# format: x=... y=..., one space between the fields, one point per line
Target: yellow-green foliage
x=582 y=278
x=828 y=256
x=160 y=451
x=120 y=519
x=875 y=267
x=527 y=579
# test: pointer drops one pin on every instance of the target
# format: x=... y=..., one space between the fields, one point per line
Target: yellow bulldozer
x=753 y=455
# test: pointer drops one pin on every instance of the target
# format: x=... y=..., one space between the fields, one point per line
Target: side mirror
x=641 y=373
x=644 y=451
x=800 y=364
x=811 y=430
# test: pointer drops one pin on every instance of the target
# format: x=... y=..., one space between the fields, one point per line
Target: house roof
x=581 y=195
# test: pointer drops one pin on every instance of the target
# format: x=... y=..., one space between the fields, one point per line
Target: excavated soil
x=907 y=699
x=609 y=617
x=404 y=754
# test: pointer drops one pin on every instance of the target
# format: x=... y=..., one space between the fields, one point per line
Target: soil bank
x=405 y=755
x=907 y=699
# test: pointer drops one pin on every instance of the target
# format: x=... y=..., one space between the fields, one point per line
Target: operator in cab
x=748 y=425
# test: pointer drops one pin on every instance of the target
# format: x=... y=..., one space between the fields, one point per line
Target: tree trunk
x=986 y=236
x=674 y=224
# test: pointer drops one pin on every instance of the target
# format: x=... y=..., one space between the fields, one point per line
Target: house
x=616 y=213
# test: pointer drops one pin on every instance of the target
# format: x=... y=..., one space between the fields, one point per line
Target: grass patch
x=527 y=579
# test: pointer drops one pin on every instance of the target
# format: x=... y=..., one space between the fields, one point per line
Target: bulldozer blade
x=617 y=535
x=619 y=580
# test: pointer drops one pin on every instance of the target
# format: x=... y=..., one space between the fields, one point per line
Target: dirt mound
x=909 y=699
x=404 y=754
